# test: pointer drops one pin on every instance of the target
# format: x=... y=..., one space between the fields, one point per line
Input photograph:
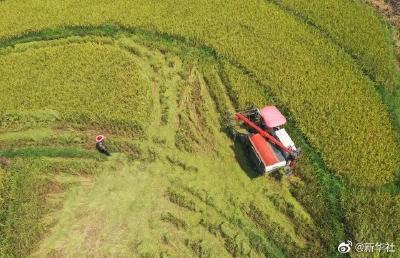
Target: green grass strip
x=66 y=152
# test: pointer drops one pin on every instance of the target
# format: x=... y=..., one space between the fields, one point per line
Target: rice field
x=367 y=44
x=303 y=68
x=157 y=81
x=156 y=170
x=46 y=76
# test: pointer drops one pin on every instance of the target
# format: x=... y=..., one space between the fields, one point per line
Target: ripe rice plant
x=77 y=81
x=244 y=90
x=321 y=85
x=374 y=215
x=167 y=70
x=355 y=27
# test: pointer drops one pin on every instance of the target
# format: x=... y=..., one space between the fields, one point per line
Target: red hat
x=99 y=138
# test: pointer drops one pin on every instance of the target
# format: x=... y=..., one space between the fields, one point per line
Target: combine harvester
x=269 y=146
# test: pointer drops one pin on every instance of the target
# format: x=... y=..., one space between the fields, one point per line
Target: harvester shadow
x=244 y=161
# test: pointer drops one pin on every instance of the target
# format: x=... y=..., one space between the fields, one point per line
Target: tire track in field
x=58 y=34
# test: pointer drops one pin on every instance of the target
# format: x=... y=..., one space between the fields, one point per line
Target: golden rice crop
x=374 y=216
x=355 y=27
x=85 y=82
x=245 y=91
x=331 y=100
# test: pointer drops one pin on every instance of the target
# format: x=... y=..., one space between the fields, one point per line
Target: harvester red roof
x=272 y=116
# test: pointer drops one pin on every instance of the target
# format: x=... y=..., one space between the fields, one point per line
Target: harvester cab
x=269 y=145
